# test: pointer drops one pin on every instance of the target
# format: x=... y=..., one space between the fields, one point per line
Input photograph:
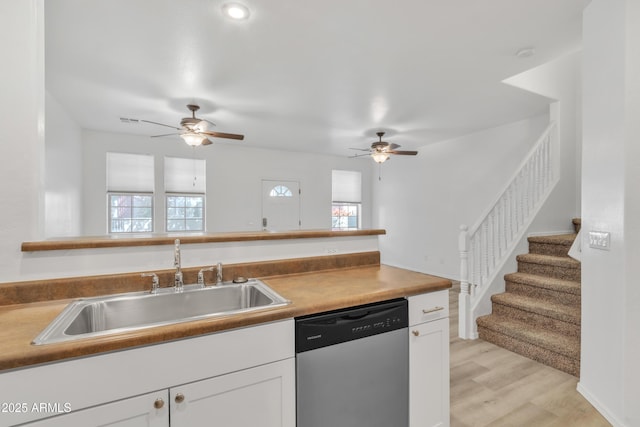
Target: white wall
x=22 y=149
x=632 y=214
x=560 y=81
x=421 y=201
x=234 y=175
x=87 y=262
x=611 y=202
x=21 y=144
x=63 y=172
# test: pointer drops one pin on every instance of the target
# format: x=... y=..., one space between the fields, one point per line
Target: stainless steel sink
x=99 y=316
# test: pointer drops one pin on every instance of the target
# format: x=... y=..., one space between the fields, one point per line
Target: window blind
x=346 y=186
x=184 y=175
x=129 y=172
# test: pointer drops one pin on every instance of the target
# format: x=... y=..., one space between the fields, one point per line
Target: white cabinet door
x=137 y=411
x=429 y=374
x=262 y=396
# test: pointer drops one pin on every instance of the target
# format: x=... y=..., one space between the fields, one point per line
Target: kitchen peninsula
x=313 y=285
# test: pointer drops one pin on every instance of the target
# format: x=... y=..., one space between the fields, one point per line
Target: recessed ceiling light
x=235 y=11
x=526 y=52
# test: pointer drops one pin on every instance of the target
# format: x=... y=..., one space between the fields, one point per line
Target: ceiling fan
x=193 y=130
x=381 y=150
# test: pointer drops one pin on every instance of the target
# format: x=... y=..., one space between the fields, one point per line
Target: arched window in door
x=280 y=191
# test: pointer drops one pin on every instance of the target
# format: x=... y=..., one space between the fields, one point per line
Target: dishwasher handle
x=349 y=317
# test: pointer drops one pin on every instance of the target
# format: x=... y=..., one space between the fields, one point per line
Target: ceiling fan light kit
x=380 y=151
x=380 y=156
x=193 y=139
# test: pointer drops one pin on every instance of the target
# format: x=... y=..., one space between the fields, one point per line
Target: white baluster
x=528 y=189
x=503 y=226
x=485 y=251
x=534 y=180
x=477 y=261
x=490 y=245
x=547 y=151
x=540 y=174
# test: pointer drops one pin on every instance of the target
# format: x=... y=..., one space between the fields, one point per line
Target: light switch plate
x=600 y=240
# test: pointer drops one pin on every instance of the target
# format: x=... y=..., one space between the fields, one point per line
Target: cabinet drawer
x=428 y=307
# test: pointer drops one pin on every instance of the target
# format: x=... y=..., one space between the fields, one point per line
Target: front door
x=280 y=205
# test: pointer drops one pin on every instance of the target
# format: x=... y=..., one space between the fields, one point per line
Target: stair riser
x=577 y=223
x=543 y=293
x=537 y=321
x=549 y=358
x=549 y=249
x=558 y=272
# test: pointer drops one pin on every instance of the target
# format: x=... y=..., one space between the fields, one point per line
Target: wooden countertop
x=153 y=239
x=309 y=292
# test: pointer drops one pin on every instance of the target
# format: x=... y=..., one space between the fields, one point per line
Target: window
x=280 y=191
x=346 y=189
x=345 y=216
x=185 y=187
x=185 y=213
x=130 y=182
x=130 y=213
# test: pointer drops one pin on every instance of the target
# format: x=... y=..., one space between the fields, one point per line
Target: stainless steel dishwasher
x=352 y=367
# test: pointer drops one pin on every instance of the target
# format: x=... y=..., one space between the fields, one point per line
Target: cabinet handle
x=179 y=398
x=158 y=404
x=415 y=333
x=438 y=308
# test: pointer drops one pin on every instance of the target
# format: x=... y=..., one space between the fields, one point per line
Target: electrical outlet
x=600 y=240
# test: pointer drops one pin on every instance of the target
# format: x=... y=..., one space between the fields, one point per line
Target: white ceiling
x=317 y=76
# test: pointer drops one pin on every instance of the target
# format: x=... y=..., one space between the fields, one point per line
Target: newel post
x=464 y=299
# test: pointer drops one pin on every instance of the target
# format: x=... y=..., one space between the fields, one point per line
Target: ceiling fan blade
x=359 y=155
x=208 y=121
x=403 y=153
x=360 y=149
x=160 y=124
x=206 y=142
x=393 y=146
x=164 y=134
x=224 y=135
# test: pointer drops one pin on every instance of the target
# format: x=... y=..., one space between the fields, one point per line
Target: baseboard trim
x=604 y=411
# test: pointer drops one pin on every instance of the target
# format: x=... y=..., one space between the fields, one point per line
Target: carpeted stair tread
x=556 y=245
x=553 y=310
x=551 y=283
x=542 y=355
x=560 y=267
x=549 y=340
x=555 y=261
x=556 y=239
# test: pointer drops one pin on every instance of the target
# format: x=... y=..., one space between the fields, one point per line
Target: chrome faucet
x=155 y=282
x=178 y=283
x=201 y=281
x=219 y=274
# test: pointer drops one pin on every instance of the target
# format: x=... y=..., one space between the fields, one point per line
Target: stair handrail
x=485 y=246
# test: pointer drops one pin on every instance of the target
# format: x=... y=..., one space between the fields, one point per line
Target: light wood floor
x=491 y=386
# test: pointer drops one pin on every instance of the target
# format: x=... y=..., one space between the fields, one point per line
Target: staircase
x=539 y=314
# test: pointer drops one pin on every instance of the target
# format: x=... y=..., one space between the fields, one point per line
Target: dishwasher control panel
x=334 y=327
x=389 y=323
